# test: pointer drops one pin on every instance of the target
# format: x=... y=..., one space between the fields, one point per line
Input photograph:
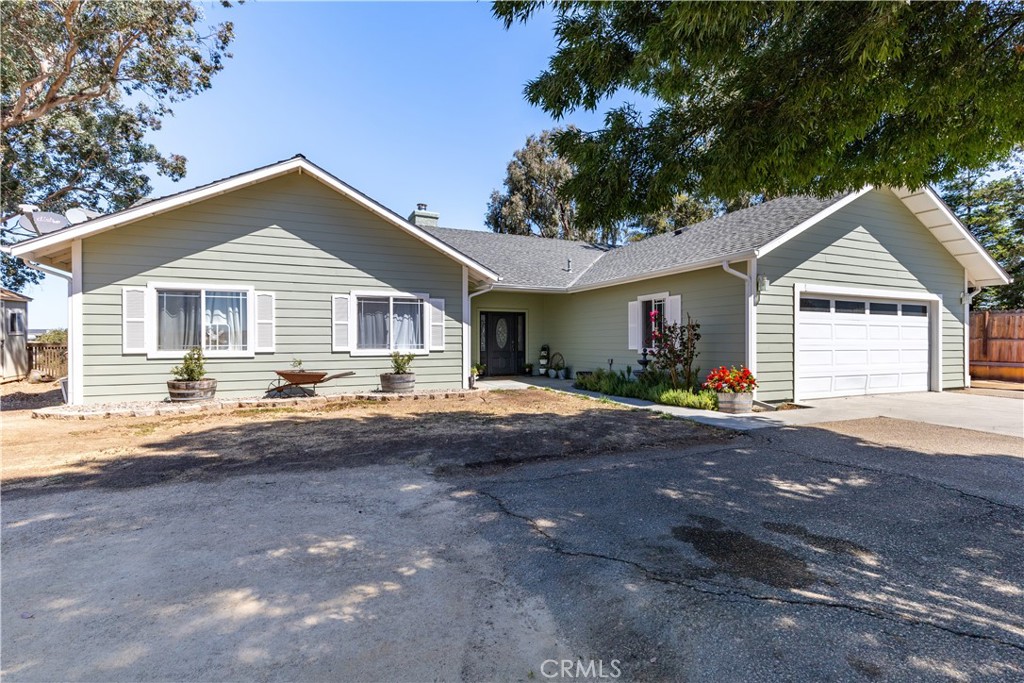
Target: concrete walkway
x=993 y=414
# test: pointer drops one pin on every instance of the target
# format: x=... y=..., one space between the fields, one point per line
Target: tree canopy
x=991 y=204
x=772 y=98
x=81 y=84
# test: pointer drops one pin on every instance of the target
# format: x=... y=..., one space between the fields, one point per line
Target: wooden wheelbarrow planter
x=288 y=380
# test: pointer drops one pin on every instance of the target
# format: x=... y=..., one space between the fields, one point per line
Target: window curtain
x=373 y=324
x=408 y=324
x=226 y=314
x=178 y=323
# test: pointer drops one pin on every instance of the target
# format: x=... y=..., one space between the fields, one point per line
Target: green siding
x=589 y=328
x=292 y=236
x=874 y=242
x=533 y=305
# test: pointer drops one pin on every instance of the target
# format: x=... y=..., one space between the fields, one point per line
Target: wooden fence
x=49 y=359
x=997 y=345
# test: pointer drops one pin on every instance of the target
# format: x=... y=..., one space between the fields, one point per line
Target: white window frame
x=353 y=318
x=663 y=298
x=16 y=314
x=152 y=318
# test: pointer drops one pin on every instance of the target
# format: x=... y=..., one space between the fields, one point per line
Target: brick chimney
x=423 y=218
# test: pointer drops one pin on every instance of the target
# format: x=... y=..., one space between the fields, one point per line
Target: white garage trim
x=933 y=301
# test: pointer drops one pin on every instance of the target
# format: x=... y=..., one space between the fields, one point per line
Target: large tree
x=81 y=84
x=772 y=98
x=991 y=205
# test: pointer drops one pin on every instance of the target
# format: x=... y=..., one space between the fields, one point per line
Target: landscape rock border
x=153 y=408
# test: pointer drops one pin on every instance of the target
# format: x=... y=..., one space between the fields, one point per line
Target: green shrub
x=53 y=337
x=400 y=363
x=192 y=368
x=703 y=400
x=651 y=386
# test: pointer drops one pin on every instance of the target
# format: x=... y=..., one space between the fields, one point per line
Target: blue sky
x=408 y=102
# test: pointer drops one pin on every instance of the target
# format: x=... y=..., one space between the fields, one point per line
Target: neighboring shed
x=13 y=341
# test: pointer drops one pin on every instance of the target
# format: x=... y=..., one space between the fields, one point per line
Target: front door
x=503 y=347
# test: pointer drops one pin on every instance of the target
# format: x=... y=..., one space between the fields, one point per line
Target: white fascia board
x=378 y=210
x=102 y=224
x=1001 y=276
x=810 y=222
x=41 y=245
x=674 y=270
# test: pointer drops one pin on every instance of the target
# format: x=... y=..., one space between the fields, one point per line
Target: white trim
x=152 y=352
x=673 y=270
x=467 y=333
x=933 y=301
x=41 y=244
x=867 y=293
x=752 y=318
x=810 y=222
x=967 y=300
x=965 y=234
x=76 y=330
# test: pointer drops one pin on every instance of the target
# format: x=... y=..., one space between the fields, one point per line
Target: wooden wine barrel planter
x=735 y=403
x=398 y=384
x=191 y=391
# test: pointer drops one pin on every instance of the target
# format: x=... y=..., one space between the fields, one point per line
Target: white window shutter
x=634 y=325
x=266 y=325
x=340 y=324
x=133 y=319
x=436 y=325
x=674 y=310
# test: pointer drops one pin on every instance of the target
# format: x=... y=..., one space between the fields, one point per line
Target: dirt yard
x=485 y=431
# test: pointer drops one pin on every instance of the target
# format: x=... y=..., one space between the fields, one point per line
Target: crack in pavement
x=722 y=591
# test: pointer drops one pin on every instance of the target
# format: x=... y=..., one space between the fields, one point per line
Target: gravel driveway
x=863 y=550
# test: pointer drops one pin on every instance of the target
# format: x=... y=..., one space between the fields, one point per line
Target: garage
x=849 y=346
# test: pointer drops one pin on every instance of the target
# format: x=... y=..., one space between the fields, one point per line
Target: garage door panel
x=845 y=331
x=880 y=382
x=847 y=353
x=851 y=357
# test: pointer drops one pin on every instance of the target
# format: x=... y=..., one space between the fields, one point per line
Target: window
x=915 y=310
x=815 y=305
x=390 y=323
x=849 y=306
x=215 y=320
x=647 y=306
x=16 y=321
x=884 y=309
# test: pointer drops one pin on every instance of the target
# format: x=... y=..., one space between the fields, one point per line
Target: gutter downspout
x=47 y=270
x=967 y=299
x=750 y=311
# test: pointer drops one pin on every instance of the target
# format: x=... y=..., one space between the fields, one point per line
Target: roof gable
x=39 y=248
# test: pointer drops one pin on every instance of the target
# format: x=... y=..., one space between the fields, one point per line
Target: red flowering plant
x=731 y=380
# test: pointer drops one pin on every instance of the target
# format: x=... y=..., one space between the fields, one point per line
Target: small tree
x=192 y=368
x=675 y=350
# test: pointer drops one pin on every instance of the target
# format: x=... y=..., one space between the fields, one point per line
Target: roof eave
x=40 y=246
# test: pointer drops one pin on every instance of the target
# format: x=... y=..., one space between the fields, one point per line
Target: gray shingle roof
x=522 y=260
x=537 y=262
x=735 y=233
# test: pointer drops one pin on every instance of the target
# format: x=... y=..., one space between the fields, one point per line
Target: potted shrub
x=528 y=369
x=399 y=380
x=188 y=383
x=735 y=388
x=475 y=371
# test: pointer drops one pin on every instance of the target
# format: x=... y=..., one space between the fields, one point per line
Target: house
x=861 y=293
x=14 y=339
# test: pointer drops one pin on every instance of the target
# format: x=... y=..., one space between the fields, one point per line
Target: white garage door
x=846 y=347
